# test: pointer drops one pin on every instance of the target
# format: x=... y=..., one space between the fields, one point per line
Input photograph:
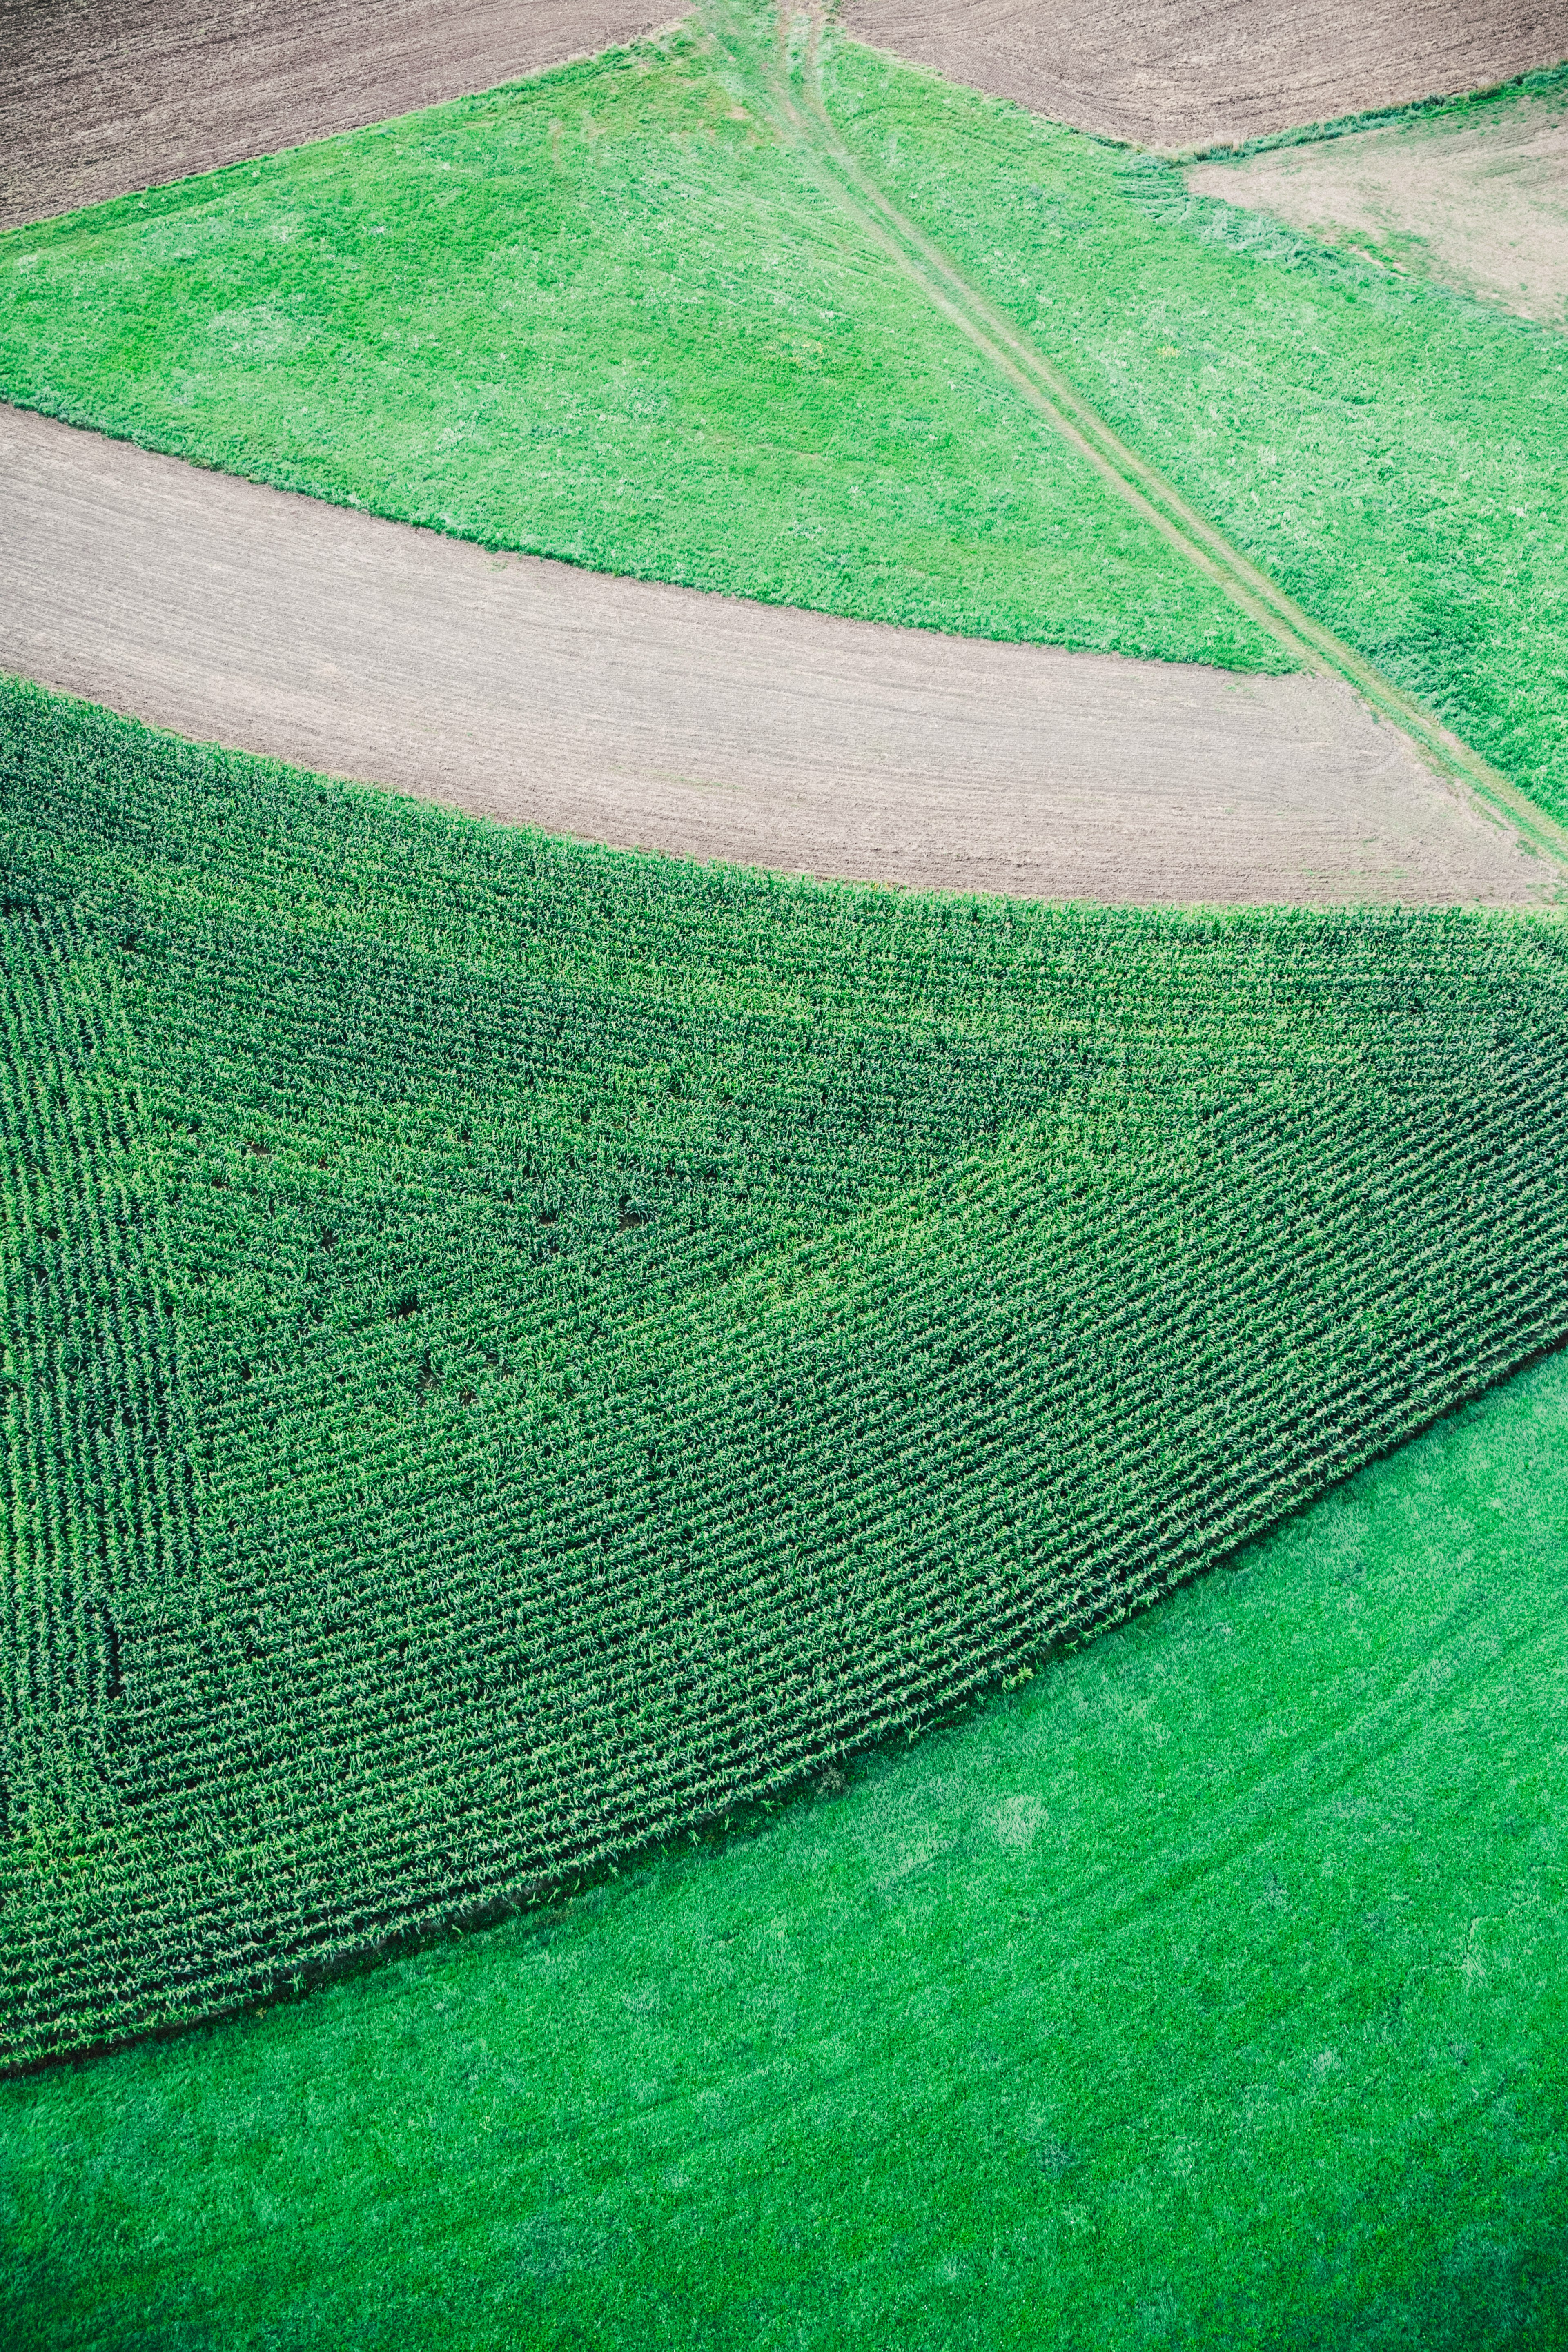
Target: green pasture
x=607 y=315
x=602 y=315
x=516 y=1348
x=1206 y=1990
x=1390 y=454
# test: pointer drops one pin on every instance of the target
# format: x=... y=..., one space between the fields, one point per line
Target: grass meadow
x=608 y=315
x=603 y=315
x=587 y=1759
x=1207 y=1989
x=1387 y=452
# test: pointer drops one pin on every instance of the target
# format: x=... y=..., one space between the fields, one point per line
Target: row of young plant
x=628 y=1332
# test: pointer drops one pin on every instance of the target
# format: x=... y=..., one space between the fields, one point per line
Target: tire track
x=804 y=121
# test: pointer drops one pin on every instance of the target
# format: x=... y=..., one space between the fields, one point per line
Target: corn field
x=513 y=1350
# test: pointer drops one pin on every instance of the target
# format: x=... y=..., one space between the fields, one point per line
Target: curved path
x=99 y=97
x=660 y=718
x=1188 y=73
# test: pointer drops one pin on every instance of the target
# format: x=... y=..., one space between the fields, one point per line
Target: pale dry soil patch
x=1174 y=74
x=658 y=718
x=1480 y=206
x=100 y=97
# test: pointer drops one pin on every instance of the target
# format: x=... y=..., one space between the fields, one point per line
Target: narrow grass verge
x=1465 y=109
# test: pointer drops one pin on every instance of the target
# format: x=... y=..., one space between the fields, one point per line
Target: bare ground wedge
x=99 y=97
x=658 y=718
x=1481 y=205
x=1189 y=73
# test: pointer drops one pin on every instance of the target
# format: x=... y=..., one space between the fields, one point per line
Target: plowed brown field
x=1186 y=73
x=656 y=716
x=98 y=97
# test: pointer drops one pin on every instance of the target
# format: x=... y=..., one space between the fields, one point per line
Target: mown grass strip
x=639 y=1332
x=1206 y=1990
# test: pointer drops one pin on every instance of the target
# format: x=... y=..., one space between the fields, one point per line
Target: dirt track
x=656 y=717
x=1187 y=73
x=98 y=97
x=1482 y=205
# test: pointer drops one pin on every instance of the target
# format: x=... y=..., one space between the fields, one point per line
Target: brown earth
x=99 y=97
x=1481 y=206
x=1174 y=74
x=656 y=717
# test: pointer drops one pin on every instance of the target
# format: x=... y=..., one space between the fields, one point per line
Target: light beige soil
x=1174 y=74
x=1483 y=207
x=98 y=97
x=658 y=718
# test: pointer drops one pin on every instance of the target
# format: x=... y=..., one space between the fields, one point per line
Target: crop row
x=516 y=1350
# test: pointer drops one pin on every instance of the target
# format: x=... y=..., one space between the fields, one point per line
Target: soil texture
x=1482 y=205
x=658 y=718
x=100 y=97
x=1176 y=74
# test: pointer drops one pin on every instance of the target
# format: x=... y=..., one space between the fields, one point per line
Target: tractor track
x=790 y=95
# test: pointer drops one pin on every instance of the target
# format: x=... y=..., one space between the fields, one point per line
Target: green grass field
x=567 y=1417
x=609 y=315
x=1390 y=454
x=1206 y=1991
x=519 y=1347
x=604 y=316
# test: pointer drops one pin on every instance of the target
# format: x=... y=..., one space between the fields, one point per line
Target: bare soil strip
x=658 y=718
x=100 y=97
x=1479 y=206
x=1174 y=74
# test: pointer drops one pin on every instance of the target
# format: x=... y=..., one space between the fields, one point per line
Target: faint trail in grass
x=1279 y=2091
x=783 y=80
